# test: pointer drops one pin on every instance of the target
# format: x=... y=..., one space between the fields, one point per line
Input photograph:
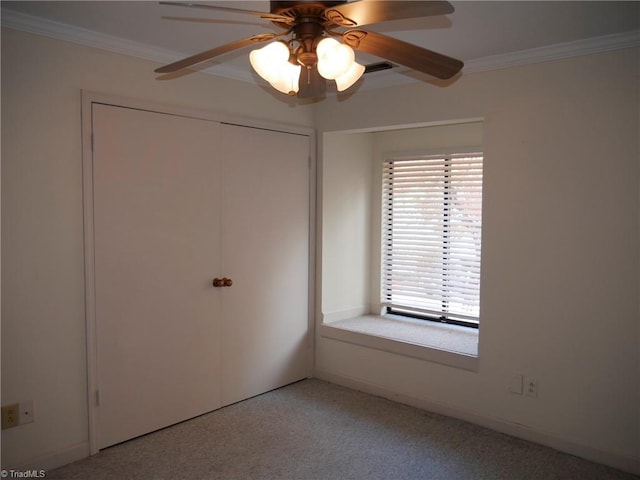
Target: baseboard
x=628 y=464
x=54 y=460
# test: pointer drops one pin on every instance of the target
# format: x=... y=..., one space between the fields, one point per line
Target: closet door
x=157 y=242
x=265 y=251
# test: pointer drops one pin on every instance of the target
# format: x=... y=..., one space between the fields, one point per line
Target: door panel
x=265 y=240
x=157 y=242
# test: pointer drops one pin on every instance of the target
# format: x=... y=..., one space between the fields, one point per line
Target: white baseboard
x=628 y=464
x=54 y=460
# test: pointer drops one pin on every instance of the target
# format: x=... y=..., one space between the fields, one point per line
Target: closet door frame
x=88 y=99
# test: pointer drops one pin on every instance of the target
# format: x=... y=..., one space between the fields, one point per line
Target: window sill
x=450 y=345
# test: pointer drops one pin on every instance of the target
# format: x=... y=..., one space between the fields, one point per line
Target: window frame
x=416 y=313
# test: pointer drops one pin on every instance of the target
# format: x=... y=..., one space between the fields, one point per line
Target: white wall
x=560 y=265
x=346 y=216
x=43 y=320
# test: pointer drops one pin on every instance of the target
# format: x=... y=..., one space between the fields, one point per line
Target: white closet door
x=156 y=214
x=265 y=245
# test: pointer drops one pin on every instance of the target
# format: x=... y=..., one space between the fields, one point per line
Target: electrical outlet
x=531 y=387
x=10 y=416
x=26 y=412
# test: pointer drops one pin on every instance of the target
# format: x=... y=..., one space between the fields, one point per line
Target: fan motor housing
x=278 y=7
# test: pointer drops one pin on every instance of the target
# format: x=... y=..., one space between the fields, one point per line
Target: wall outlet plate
x=10 y=416
x=531 y=387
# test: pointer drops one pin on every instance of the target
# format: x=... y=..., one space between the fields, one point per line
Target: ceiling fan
x=313 y=53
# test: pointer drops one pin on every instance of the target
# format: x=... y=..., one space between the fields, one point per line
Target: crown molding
x=556 y=51
x=82 y=36
x=90 y=38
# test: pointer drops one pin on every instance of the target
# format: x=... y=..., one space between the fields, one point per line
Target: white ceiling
x=483 y=34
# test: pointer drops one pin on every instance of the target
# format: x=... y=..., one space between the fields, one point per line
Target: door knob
x=222 y=282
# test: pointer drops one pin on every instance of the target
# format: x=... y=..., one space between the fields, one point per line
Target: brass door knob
x=222 y=282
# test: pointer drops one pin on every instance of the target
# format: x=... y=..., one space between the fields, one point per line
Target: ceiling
x=484 y=35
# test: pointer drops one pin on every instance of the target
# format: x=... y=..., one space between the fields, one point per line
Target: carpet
x=317 y=430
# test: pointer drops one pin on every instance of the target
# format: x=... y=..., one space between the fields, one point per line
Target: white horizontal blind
x=432 y=217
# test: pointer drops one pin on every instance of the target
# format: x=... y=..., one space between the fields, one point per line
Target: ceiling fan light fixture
x=270 y=61
x=334 y=59
x=350 y=77
x=315 y=29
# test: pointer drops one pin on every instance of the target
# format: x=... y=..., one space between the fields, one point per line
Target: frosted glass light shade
x=350 y=77
x=325 y=46
x=288 y=80
x=269 y=60
x=334 y=58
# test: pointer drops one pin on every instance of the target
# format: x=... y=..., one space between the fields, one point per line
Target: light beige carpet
x=317 y=430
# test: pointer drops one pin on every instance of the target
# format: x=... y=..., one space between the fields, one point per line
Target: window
x=431 y=232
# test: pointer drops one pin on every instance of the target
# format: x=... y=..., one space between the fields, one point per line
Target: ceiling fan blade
x=266 y=15
x=366 y=12
x=377 y=67
x=214 y=52
x=212 y=20
x=311 y=84
x=404 y=53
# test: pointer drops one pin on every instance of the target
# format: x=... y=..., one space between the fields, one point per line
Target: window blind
x=432 y=217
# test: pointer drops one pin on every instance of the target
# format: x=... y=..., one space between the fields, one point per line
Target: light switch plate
x=515 y=385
